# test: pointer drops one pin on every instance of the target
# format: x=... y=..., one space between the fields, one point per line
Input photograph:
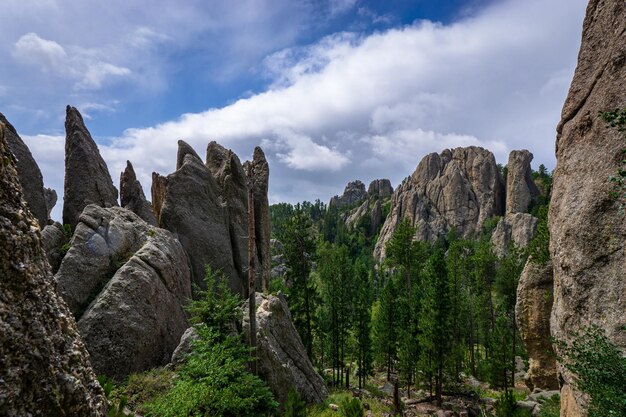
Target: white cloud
x=48 y=55
x=341 y=6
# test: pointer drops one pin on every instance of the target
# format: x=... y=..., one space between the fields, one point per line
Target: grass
x=336 y=397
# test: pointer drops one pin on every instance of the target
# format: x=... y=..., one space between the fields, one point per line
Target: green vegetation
x=551 y=407
x=351 y=408
x=214 y=381
x=294 y=406
x=600 y=368
x=616 y=119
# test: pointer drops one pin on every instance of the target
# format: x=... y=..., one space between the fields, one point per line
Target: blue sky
x=333 y=90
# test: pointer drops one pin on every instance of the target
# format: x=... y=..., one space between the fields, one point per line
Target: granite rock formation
x=587 y=228
x=132 y=196
x=28 y=173
x=370 y=212
x=380 y=188
x=87 y=178
x=352 y=194
x=53 y=237
x=126 y=282
x=281 y=356
x=532 y=313
x=520 y=187
x=50 y=196
x=44 y=366
x=518 y=228
x=458 y=189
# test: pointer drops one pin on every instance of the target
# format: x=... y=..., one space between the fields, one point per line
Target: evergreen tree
x=386 y=328
x=362 y=321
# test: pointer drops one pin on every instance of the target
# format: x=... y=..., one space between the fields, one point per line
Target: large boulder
x=54 y=240
x=518 y=229
x=352 y=194
x=44 y=366
x=87 y=178
x=587 y=227
x=458 y=189
x=282 y=358
x=136 y=321
x=520 y=187
x=28 y=173
x=532 y=313
x=191 y=207
x=127 y=283
x=132 y=196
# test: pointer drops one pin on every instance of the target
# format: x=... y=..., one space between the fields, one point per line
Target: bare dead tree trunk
x=251 y=279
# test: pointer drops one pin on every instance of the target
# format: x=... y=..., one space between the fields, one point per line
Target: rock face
x=132 y=196
x=282 y=359
x=458 y=189
x=520 y=187
x=206 y=207
x=370 y=212
x=532 y=312
x=87 y=178
x=587 y=229
x=518 y=228
x=44 y=366
x=28 y=173
x=352 y=194
x=193 y=211
x=127 y=283
x=50 y=196
x=53 y=237
x=380 y=188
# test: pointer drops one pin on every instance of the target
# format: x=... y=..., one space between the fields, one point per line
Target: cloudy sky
x=333 y=90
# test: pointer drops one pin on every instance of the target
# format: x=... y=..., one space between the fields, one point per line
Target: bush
x=148 y=386
x=600 y=369
x=351 y=407
x=294 y=406
x=551 y=407
x=214 y=381
x=507 y=406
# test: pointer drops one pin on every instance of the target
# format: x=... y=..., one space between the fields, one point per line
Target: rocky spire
x=28 y=173
x=87 y=178
x=132 y=196
x=520 y=187
x=44 y=366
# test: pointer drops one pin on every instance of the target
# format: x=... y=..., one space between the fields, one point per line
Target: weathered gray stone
x=50 y=196
x=380 y=188
x=352 y=194
x=282 y=359
x=184 y=347
x=136 y=321
x=458 y=189
x=28 y=173
x=518 y=229
x=87 y=178
x=53 y=237
x=520 y=187
x=587 y=228
x=44 y=366
x=532 y=313
x=132 y=196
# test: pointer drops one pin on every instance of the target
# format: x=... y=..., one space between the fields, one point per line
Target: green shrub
x=148 y=386
x=294 y=406
x=351 y=407
x=551 y=407
x=600 y=369
x=507 y=406
x=214 y=381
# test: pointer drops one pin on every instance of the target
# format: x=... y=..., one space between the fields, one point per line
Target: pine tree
x=362 y=321
x=386 y=328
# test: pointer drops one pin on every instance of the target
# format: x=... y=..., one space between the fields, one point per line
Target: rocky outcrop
x=532 y=313
x=258 y=171
x=458 y=189
x=28 y=173
x=520 y=187
x=136 y=321
x=185 y=346
x=380 y=188
x=50 y=196
x=282 y=359
x=44 y=366
x=587 y=228
x=193 y=210
x=132 y=196
x=87 y=178
x=352 y=194
x=53 y=239
x=126 y=282
x=518 y=229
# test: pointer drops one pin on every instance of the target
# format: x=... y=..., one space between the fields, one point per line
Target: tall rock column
x=44 y=366
x=87 y=178
x=587 y=228
x=132 y=196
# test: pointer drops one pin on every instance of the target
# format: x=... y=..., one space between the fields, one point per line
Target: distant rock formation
x=282 y=358
x=206 y=206
x=87 y=178
x=587 y=228
x=44 y=366
x=28 y=174
x=370 y=212
x=458 y=189
x=132 y=196
x=520 y=187
x=518 y=228
x=352 y=194
x=532 y=313
x=50 y=196
x=127 y=283
x=380 y=188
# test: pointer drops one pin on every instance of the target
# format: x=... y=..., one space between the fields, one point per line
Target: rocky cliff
x=587 y=228
x=44 y=366
x=370 y=212
x=458 y=189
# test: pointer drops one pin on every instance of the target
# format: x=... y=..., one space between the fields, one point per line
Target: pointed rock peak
x=129 y=172
x=223 y=162
x=185 y=149
x=132 y=196
x=7 y=124
x=259 y=155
